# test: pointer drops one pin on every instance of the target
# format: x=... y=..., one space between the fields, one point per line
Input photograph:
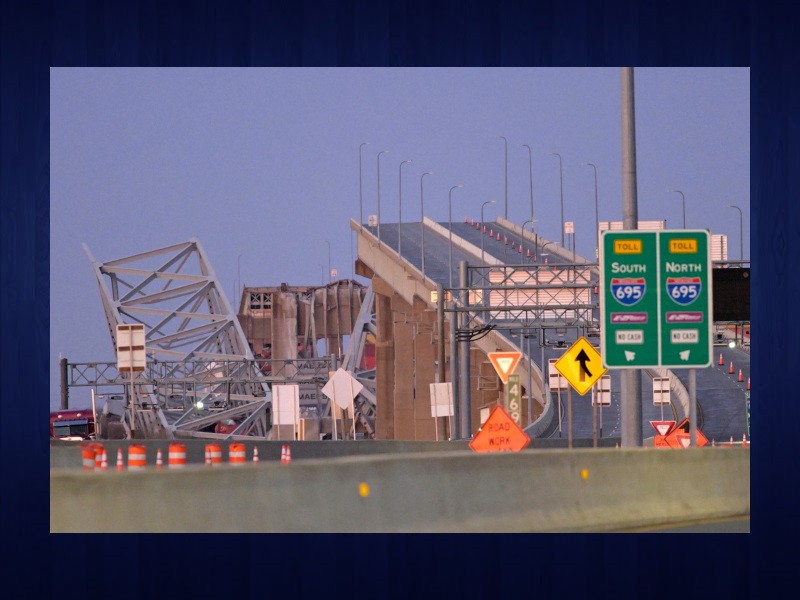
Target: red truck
x=72 y=424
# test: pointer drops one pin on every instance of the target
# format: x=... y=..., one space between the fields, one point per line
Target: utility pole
x=631 y=379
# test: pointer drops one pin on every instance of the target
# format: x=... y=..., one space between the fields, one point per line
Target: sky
x=262 y=165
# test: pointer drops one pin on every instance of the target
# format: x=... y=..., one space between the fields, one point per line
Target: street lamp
x=544 y=247
x=329 y=260
x=596 y=214
x=422 y=218
x=535 y=235
x=379 y=193
x=400 y=205
x=450 y=228
x=683 y=199
x=741 y=243
x=360 y=197
x=505 y=141
x=482 y=236
x=561 y=177
x=530 y=177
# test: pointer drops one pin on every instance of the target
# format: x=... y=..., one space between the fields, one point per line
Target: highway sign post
x=656 y=302
x=131 y=356
x=582 y=366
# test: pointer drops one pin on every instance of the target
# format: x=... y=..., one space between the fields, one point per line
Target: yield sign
x=581 y=365
x=663 y=427
x=504 y=363
x=499 y=434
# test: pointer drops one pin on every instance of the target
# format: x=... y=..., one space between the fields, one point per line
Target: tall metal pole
x=505 y=141
x=440 y=371
x=693 y=408
x=454 y=426
x=450 y=229
x=329 y=261
x=631 y=379
x=561 y=178
x=463 y=356
x=741 y=243
x=530 y=178
x=683 y=204
x=596 y=215
x=400 y=209
x=360 y=196
x=422 y=220
x=530 y=381
x=482 y=236
x=379 y=193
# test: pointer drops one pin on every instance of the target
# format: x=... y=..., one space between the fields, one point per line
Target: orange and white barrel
x=177 y=455
x=88 y=456
x=214 y=454
x=98 y=457
x=236 y=454
x=137 y=457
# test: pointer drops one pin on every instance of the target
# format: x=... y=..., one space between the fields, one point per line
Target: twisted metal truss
x=175 y=294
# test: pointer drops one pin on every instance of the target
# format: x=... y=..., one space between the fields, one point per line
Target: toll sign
x=499 y=434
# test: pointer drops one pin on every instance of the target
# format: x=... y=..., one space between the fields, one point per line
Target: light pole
x=379 y=193
x=482 y=236
x=450 y=229
x=400 y=208
x=535 y=235
x=505 y=141
x=544 y=246
x=422 y=218
x=329 y=260
x=530 y=177
x=561 y=178
x=683 y=200
x=741 y=243
x=322 y=273
x=360 y=197
x=596 y=215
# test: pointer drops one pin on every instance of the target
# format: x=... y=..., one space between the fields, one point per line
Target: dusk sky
x=264 y=163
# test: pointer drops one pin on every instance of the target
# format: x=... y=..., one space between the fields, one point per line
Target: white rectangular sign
x=441 y=399
x=557 y=380
x=285 y=404
x=131 y=351
x=660 y=391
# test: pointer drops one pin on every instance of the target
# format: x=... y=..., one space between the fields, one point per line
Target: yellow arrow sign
x=581 y=365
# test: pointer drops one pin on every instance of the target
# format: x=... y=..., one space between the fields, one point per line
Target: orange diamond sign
x=504 y=363
x=679 y=437
x=499 y=434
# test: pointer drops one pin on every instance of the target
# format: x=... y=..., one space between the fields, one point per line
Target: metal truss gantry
x=175 y=294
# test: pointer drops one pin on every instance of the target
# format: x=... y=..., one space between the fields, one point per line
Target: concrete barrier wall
x=536 y=491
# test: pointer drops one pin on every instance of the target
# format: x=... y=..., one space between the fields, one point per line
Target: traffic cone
x=288 y=453
x=466 y=220
x=741 y=379
x=283 y=453
x=484 y=229
x=520 y=250
x=731 y=369
x=498 y=236
x=744 y=441
x=748 y=384
x=255 y=454
x=104 y=464
x=159 y=460
x=713 y=442
x=120 y=465
x=721 y=362
x=98 y=457
x=545 y=260
x=529 y=253
x=731 y=443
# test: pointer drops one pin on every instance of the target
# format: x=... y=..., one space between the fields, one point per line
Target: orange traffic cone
x=744 y=441
x=731 y=442
x=498 y=236
x=731 y=369
x=545 y=260
x=104 y=464
x=528 y=255
x=713 y=442
x=159 y=460
x=255 y=454
x=484 y=229
x=466 y=220
x=520 y=249
x=721 y=362
x=748 y=383
x=741 y=379
x=120 y=465
x=283 y=453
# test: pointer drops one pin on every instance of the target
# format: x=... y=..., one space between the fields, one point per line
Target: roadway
x=721 y=402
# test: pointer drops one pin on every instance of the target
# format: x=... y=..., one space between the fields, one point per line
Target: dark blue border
x=37 y=35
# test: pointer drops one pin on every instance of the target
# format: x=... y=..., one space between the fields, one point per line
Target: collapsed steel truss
x=188 y=320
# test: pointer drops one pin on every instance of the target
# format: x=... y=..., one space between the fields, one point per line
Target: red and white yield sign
x=504 y=363
x=499 y=434
x=663 y=427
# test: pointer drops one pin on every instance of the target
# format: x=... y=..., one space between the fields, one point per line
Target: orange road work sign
x=499 y=434
x=504 y=363
x=678 y=437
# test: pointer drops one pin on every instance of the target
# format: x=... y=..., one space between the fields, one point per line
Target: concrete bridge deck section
x=538 y=491
x=720 y=398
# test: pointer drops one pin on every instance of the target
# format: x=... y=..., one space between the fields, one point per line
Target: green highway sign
x=655 y=300
x=513 y=394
